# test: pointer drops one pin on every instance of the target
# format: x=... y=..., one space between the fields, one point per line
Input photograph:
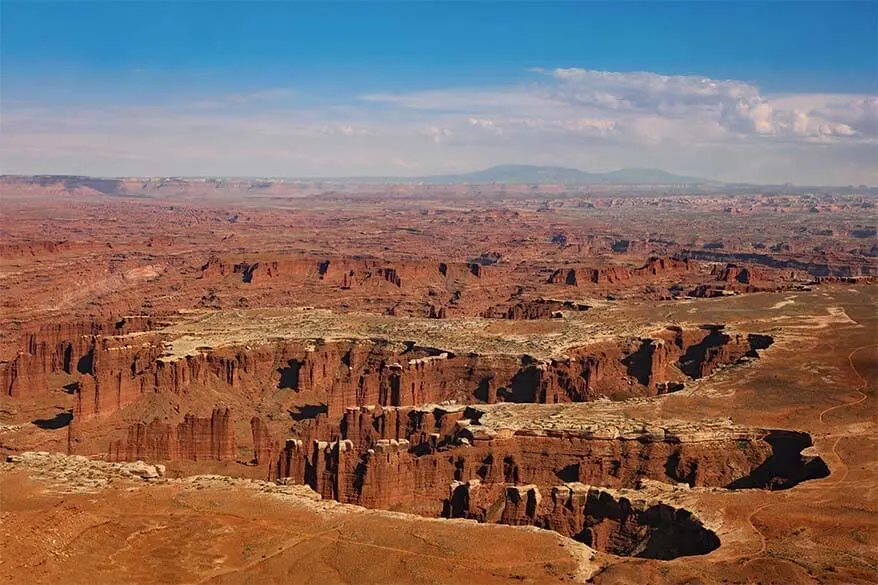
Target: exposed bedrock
x=405 y=458
x=116 y=370
x=535 y=465
x=787 y=465
x=532 y=309
x=194 y=439
x=394 y=425
x=60 y=348
x=746 y=274
x=356 y=272
x=654 y=267
x=620 y=523
x=816 y=269
x=716 y=349
x=344 y=272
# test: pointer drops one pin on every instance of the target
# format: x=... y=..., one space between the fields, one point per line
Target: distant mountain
x=518 y=174
x=653 y=177
x=536 y=175
x=503 y=174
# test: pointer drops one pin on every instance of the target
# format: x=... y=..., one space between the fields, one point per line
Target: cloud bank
x=593 y=120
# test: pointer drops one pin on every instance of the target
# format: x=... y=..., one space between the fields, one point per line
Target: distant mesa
x=551 y=175
x=502 y=174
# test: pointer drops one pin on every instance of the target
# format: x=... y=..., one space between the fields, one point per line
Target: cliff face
x=343 y=272
x=342 y=374
x=59 y=348
x=814 y=269
x=416 y=459
x=385 y=430
x=635 y=367
x=532 y=309
x=740 y=274
x=114 y=374
x=607 y=520
x=428 y=288
x=654 y=267
x=130 y=369
x=194 y=439
x=131 y=372
x=265 y=448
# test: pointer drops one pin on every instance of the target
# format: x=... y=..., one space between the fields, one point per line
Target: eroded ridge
x=622 y=522
x=431 y=446
x=342 y=361
x=403 y=423
x=537 y=464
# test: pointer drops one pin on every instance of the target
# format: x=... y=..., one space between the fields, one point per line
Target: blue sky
x=769 y=91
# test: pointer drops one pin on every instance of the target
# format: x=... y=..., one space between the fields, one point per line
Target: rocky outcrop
x=740 y=274
x=717 y=349
x=60 y=348
x=193 y=439
x=114 y=374
x=409 y=463
x=369 y=392
x=532 y=309
x=635 y=367
x=654 y=267
x=847 y=279
x=564 y=276
x=814 y=269
x=347 y=273
x=76 y=473
x=360 y=373
x=709 y=291
x=117 y=370
x=265 y=448
x=625 y=523
x=343 y=272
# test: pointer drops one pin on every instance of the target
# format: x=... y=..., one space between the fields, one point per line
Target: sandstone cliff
x=194 y=439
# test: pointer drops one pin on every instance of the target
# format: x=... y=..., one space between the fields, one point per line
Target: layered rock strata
x=620 y=522
x=194 y=439
x=654 y=267
x=115 y=370
x=407 y=458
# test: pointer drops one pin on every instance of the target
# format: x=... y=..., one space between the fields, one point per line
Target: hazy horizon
x=301 y=90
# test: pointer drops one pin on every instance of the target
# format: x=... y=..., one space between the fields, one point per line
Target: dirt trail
x=863 y=385
x=859 y=389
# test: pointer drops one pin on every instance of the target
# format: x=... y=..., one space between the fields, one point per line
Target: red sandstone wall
x=193 y=439
x=389 y=473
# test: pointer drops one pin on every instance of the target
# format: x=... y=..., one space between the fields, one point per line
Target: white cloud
x=595 y=120
x=860 y=114
x=485 y=124
x=644 y=90
x=335 y=130
x=437 y=134
x=736 y=106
